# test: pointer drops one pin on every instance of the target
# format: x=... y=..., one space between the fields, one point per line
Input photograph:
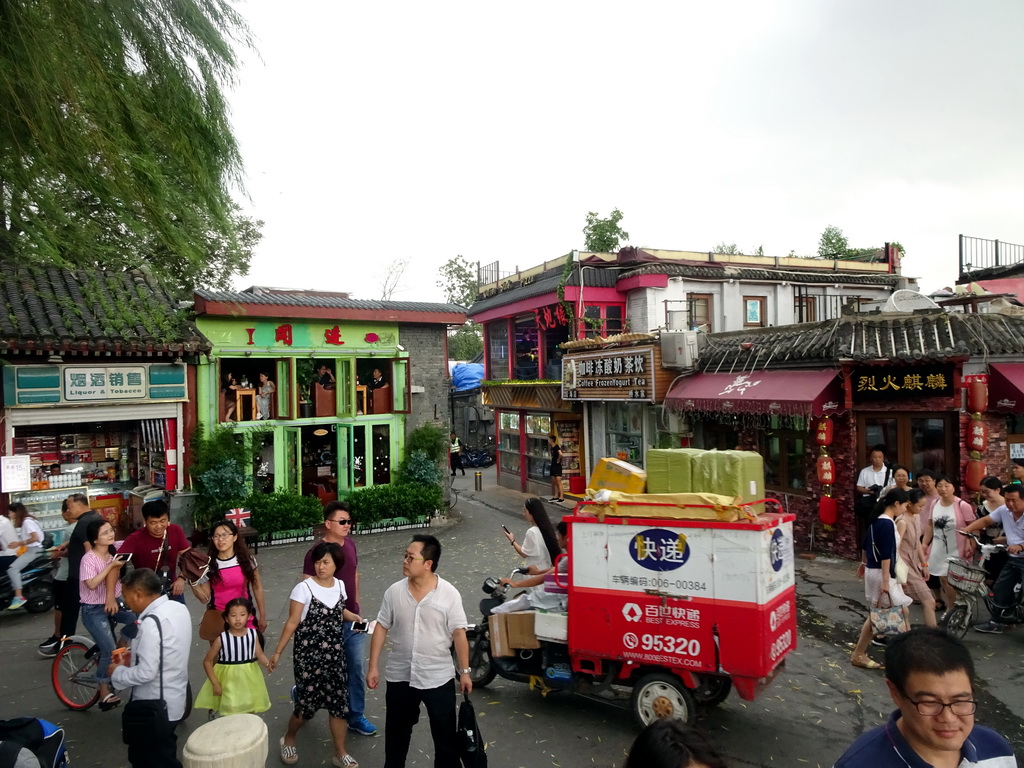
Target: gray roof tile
x=311 y=299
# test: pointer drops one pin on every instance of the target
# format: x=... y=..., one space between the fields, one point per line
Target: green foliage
x=305 y=376
x=222 y=470
x=604 y=235
x=567 y=307
x=728 y=249
x=419 y=468
x=458 y=281
x=429 y=439
x=283 y=511
x=380 y=502
x=833 y=243
x=465 y=342
x=116 y=146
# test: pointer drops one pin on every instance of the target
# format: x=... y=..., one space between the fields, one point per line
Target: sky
x=376 y=132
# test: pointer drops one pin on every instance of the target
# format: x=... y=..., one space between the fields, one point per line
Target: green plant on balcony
x=305 y=377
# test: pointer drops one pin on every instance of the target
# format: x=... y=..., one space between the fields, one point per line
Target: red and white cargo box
x=693 y=595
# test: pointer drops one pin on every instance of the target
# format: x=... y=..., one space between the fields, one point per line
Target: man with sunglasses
x=930 y=677
x=338 y=521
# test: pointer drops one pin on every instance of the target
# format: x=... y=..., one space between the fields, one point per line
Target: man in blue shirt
x=1011 y=517
x=930 y=677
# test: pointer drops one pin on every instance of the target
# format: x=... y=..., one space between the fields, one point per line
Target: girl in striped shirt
x=235 y=685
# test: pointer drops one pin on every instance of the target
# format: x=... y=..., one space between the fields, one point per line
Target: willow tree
x=114 y=130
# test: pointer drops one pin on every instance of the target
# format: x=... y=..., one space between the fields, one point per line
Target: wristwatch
x=465 y=671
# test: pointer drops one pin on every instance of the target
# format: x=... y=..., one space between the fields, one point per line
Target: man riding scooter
x=1011 y=518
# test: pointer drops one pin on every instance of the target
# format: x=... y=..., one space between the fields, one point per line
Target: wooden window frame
x=810 y=309
x=693 y=298
x=762 y=312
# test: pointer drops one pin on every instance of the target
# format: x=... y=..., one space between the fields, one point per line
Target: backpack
x=40 y=737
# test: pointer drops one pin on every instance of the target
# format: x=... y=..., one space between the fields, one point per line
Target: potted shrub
x=305 y=378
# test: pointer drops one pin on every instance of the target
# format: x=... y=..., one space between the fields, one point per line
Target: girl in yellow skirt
x=235 y=684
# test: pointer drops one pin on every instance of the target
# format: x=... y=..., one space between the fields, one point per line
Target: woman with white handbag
x=878 y=569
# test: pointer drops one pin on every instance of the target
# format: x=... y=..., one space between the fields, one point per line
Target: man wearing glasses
x=338 y=520
x=422 y=616
x=930 y=677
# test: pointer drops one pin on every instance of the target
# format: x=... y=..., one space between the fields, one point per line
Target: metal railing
x=490 y=273
x=978 y=253
x=812 y=307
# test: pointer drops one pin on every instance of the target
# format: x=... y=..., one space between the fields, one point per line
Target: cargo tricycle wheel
x=659 y=695
x=711 y=690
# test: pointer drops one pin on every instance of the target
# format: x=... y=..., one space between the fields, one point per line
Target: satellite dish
x=907 y=301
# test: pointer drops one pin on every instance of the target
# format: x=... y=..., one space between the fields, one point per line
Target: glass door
x=292 y=458
x=344 y=459
x=915 y=440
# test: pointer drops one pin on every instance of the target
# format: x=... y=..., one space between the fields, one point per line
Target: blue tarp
x=467 y=376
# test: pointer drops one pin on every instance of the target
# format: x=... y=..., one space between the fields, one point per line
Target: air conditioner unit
x=679 y=349
x=677 y=320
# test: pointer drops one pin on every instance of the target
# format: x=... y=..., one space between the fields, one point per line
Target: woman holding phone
x=99 y=607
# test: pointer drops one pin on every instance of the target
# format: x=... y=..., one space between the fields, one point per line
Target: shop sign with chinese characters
x=612 y=374
x=38 y=385
x=911 y=382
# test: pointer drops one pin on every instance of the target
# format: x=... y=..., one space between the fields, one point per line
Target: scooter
x=969 y=582
x=36 y=585
x=549 y=666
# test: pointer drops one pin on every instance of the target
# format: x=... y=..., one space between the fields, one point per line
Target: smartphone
x=124 y=557
x=360 y=626
x=506 y=530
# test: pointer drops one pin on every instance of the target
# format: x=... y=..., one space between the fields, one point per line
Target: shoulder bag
x=144 y=720
x=213 y=623
x=885 y=620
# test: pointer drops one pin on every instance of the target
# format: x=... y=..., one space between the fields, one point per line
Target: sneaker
x=48 y=647
x=989 y=627
x=879 y=640
x=16 y=603
x=345 y=761
x=362 y=725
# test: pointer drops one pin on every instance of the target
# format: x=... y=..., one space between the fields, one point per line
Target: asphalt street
x=810 y=713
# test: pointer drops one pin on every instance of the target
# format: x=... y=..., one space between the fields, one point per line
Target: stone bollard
x=233 y=741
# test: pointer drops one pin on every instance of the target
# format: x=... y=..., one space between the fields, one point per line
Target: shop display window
x=243 y=397
x=497 y=350
x=538 y=427
x=783 y=446
x=626 y=432
x=526 y=367
x=552 y=354
x=509 y=442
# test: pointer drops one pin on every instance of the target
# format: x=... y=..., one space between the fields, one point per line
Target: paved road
x=817 y=706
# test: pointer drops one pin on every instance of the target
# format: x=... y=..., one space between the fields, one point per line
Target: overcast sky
x=378 y=131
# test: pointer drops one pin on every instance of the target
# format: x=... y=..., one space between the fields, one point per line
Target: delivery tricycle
x=666 y=613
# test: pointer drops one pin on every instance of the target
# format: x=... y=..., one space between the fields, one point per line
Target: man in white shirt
x=424 y=616
x=142 y=591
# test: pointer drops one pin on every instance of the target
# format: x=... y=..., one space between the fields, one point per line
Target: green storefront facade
x=320 y=439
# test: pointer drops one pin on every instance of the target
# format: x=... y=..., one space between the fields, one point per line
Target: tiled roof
x=726 y=271
x=313 y=299
x=602 y=277
x=909 y=337
x=49 y=309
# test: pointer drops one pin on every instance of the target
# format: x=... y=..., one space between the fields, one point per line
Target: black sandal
x=109 y=702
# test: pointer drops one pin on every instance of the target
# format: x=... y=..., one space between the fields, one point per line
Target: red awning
x=789 y=393
x=1006 y=387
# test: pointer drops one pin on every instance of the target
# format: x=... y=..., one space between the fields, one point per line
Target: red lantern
x=828 y=510
x=826 y=470
x=977 y=436
x=823 y=436
x=976 y=472
x=977 y=396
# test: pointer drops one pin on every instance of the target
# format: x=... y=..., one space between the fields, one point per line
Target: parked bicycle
x=73 y=675
x=968 y=580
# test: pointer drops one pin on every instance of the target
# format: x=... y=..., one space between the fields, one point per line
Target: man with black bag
x=871 y=480
x=158 y=674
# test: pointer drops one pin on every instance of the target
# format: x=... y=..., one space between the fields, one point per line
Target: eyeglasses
x=342 y=521
x=410 y=558
x=934 y=708
x=223 y=536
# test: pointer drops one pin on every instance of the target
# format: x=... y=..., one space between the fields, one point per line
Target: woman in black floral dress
x=316 y=618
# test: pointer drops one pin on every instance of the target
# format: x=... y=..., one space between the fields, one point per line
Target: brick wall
x=428 y=369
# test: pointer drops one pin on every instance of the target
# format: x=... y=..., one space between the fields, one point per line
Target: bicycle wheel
x=74 y=677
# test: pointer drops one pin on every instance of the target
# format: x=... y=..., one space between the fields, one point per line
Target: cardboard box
x=618 y=475
x=520 y=630
x=498 y=629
